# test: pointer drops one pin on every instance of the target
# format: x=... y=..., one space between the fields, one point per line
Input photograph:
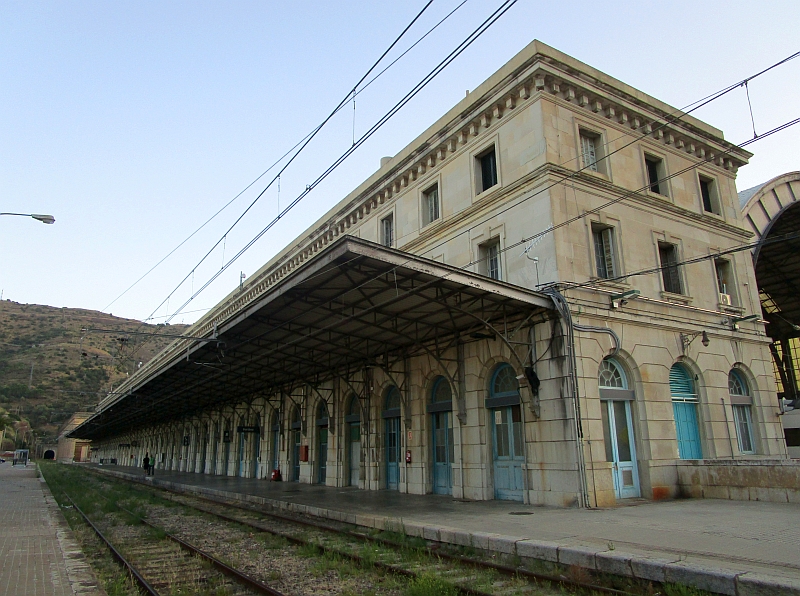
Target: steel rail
x=477 y=563
x=143 y=583
x=239 y=576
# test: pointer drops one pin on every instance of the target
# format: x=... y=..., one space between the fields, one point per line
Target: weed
x=681 y=590
x=430 y=585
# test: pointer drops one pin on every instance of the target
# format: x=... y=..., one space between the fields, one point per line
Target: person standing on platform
x=146 y=463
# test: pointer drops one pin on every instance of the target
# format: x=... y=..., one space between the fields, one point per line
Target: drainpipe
x=462 y=419
x=563 y=309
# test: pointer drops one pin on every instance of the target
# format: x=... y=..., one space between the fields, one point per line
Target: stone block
x=581 y=556
x=738 y=493
x=502 y=544
x=650 y=569
x=614 y=562
x=538 y=549
x=716 y=492
x=719 y=581
x=480 y=539
x=755 y=584
x=413 y=529
x=462 y=538
x=430 y=533
x=447 y=534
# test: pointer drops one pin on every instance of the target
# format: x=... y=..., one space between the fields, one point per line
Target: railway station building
x=535 y=300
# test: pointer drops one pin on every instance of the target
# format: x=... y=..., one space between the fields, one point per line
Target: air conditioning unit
x=725 y=300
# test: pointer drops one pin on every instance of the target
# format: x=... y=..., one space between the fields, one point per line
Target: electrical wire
x=375 y=127
x=304 y=141
x=697 y=104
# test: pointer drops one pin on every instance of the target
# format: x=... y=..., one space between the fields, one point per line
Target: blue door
x=276 y=446
x=688 y=434
x=392 y=453
x=442 y=453
x=296 y=456
x=684 y=407
x=323 y=454
x=508 y=452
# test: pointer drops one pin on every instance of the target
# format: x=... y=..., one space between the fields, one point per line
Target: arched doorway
x=391 y=415
x=49 y=454
x=615 y=410
x=322 y=441
x=508 y=452
x=353 y=421
x=440 y=409
x=684 y=407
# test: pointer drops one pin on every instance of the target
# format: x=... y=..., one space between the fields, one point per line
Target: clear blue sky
x=133 y=122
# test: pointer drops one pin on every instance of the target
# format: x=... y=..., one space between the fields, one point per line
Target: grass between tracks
x=75 y=481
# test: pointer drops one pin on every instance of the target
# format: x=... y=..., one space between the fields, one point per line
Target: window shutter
x=589 y=153
x=681 y=386
x=608 y=251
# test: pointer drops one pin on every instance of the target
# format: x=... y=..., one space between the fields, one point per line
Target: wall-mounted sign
x=186 y=440
x=246 y=429
x=226 y=436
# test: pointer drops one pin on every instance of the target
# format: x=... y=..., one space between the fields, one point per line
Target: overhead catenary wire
x=304 y=141
x=699 y=103
x=361 y=140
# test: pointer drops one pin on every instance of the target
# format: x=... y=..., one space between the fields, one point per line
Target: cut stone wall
x=740 y=480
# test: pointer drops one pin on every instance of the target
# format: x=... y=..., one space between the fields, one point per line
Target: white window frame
x=609 y=257
x=425 y=204
x=590 y=130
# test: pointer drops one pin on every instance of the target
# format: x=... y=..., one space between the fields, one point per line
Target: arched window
x=353 y=410
x=611 y=375
x=504 y=382
x=684 y=407
x=440 y=391
x=296 y=420
x=392 y=399
x=741 y=402
x=322 y=413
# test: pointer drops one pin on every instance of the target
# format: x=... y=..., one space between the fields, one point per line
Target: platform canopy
x=352 y=305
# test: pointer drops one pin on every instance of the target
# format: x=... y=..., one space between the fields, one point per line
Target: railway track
x=168 y=565
x=342 y=540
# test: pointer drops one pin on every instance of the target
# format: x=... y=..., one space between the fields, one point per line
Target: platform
x=731 y=547
x=38 y=554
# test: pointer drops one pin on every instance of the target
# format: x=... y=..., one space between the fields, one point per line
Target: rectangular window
x=604 y=251
x=709 y=193
x=670 y=274
x=744 y=428
x=592 y=152
x=387 y=230
x=655 y=173
x=724 y=281
x=490 y=259
x=430 y=205
x=487 y=162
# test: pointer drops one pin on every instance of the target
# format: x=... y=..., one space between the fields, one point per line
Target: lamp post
x=48 y=219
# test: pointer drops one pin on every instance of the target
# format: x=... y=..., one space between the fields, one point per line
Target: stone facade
x=550 y=172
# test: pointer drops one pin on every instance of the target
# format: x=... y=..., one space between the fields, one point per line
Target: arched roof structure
x=772 y=211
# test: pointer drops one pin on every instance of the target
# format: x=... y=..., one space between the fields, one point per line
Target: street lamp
x=48 y=219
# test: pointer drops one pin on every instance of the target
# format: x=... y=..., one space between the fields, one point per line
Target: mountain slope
x=51 y=365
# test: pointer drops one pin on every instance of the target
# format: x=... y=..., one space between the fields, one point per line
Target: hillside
x=50 y=368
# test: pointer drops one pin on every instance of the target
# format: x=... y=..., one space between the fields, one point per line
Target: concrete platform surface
x=732 y=547
x=38 y=553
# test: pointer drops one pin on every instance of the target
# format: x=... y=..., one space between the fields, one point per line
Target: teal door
x=684 y=408
x=240 y=467
x=323 y=454
x=354 y=457
x=276 y=446
x=688 y=433
x=296 y=455
x=392 y=453
x=508 y=452
x=442 y=453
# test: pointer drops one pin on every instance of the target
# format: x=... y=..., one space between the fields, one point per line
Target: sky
x=133 y=123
